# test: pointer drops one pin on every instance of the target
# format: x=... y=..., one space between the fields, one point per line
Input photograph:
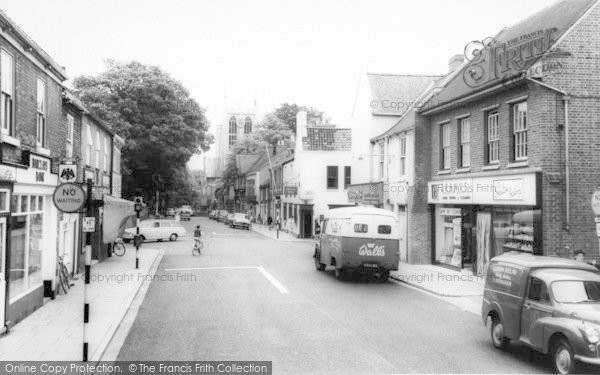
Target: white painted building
x=316 y=178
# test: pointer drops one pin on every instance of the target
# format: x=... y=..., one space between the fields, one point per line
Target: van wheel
x=562 y=357
x=318 y=265
x=497 y=333
x=384 y=276
x=340 y=274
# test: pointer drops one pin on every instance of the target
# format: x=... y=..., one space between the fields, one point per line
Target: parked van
x=550 y=304
x=359 y=239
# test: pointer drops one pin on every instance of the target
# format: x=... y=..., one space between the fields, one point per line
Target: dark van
x=549 y=304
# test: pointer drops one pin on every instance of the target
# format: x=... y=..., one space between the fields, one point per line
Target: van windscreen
x=361 y=228
x=384 y=229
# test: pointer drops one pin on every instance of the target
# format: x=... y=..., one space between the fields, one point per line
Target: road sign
x=67 y=173
x=89 y=224
x=596 y=202
x=69 y=197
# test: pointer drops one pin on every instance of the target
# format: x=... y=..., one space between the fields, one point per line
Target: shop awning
x=117 y=213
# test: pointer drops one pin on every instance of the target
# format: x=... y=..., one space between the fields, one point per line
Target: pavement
x=248 y=297
x=272 y=234
x=56 y=330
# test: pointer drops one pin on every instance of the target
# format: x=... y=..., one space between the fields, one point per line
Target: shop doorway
x=2 y=271
x=306 y=217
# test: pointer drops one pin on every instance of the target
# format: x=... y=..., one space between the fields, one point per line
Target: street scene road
x=250 y=297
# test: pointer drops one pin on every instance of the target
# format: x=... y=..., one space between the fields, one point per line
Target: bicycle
x=63 y=275
x=118 y=247
x=198 y=245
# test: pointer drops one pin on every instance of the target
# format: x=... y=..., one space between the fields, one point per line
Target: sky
x=308 y=52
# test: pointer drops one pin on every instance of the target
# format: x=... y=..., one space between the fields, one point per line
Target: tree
x=287 y=113
x=272 y=130
x=162 y=125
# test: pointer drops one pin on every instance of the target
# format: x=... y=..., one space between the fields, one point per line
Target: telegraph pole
x=88 y=266
x=137 y=239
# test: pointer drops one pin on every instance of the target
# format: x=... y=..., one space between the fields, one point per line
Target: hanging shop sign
x=8 y=173
x=290 y=190
x=69 y=197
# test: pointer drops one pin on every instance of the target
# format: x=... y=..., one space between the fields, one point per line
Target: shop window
x=384 y=229
x=381 y=160
x=26 y=244
x=492 y=143
x=464 y=155
x=361 y=228
x=519 y=128
x=4 y=203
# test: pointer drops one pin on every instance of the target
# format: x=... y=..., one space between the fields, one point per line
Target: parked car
x=240 y=221
x=170 y=212
x=222 y=216
x=228 y=218
x=549 y=304
x=157 y=230
x=185 y=215
x=358 y=240
x=212 y=214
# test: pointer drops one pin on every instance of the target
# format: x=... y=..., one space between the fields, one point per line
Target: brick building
x=510 y=144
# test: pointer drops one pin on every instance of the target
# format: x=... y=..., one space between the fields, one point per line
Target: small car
x=228 y=218
x=212 y=214
x=222 y=216
x=157 y=230
x=549 y=304
x=170 y=212
x=240 y=221
x=185 y=215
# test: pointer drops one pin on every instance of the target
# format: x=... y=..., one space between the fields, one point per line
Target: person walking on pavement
x=269 y=221
x=197 y=238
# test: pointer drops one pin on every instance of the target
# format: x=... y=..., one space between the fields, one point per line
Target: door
x=2 y=271
x=537 y=305
x=307 y=230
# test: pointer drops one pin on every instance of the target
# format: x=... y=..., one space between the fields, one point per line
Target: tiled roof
x=561 y=15
x=327 y=139
x=395 y=93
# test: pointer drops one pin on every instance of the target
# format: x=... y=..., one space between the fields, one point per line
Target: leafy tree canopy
x=287 y=113
x=162 y=125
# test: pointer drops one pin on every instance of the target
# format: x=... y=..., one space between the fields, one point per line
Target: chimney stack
x=455 y=62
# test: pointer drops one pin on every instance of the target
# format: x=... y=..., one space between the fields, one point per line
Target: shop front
x=478 y=218
x=7 y=178
x=33 y=236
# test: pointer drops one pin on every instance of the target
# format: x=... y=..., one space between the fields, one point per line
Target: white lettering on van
x=369 y=249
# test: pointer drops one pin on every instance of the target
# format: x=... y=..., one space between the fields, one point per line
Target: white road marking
x=273 y=280
x=264 y=272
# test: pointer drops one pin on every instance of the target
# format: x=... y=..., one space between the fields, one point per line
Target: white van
x=359 y=239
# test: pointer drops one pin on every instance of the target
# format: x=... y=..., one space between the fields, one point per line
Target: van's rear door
x=371 y=241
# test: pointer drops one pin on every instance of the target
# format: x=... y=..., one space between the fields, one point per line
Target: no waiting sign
x=69 y=197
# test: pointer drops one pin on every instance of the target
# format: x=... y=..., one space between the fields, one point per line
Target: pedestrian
x=269 y=221
x=580 y=256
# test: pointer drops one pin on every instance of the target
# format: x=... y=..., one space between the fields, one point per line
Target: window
x=445 y=146
x=6 y=104
x=26 y=244
x=384 y=229
x=90 y=142
x=70 y=128
x=381 y=160
x=97 y=155
x=106 y=154
x=4 y=204
x=520 y=131
x=464 y=125
x=285 y=209
x=492 y=138
x=41 y=113
x=361 y=228
x=538 y=291
x=332 y=177
x=232 y=130
x=402 y=156
x=347 y=176
x=247 y=125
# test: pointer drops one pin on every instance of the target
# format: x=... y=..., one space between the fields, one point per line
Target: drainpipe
x=567 y=186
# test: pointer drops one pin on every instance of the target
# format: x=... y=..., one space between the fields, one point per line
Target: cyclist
x=197 y=235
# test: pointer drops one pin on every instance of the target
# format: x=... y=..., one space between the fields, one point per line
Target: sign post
x=137 y=239
x=88 y=266
x=596 y=209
